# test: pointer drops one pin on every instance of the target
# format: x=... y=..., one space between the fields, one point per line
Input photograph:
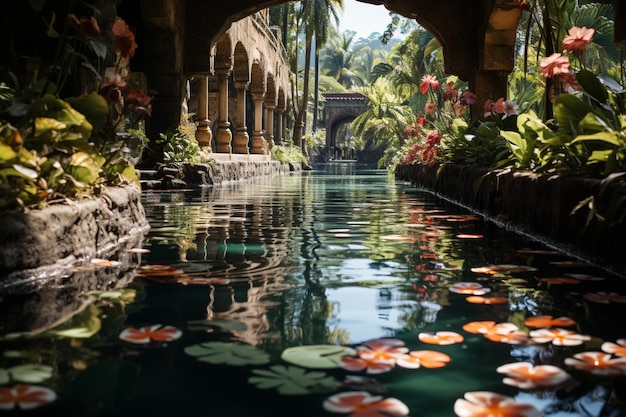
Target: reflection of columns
x=269 y=124
x=224 y=135
x=279 y=126
x=240 y=142
x=203 y=132
x=258 y=141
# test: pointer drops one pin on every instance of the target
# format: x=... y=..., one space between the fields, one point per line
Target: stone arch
x=241 y=64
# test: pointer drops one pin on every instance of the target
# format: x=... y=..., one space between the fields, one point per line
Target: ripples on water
x=327 y=257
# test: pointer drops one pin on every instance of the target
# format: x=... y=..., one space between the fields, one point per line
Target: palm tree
x=314 y=16
x=339 y=59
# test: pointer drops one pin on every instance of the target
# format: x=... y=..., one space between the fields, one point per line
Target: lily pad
x=227 y=353
x=292 y=380
x=317 y=356
x=29 y=373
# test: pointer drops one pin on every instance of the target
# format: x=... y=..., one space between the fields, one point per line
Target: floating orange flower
x=371 y=366
x=558 y=337
x=382 y=349
x=498 y=269
x=364 y=404
x=156 y=332
x=525 y=375
x=549 y=321
x=440 y=338
x=554 y=65
x=597 y=363
x=478 y=327
x=25 y=397
x=477 y=299
x=490 y=404
x=473 y=288
x=578 y=39
x=425 y=358
x=506 y=333
x=617 y=349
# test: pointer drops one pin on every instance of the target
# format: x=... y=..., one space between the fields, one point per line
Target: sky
x=363 y=18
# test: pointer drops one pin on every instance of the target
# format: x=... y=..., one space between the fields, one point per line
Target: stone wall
x=539 y=205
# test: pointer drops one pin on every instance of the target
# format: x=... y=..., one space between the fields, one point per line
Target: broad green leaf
x=569 y=110
x=7 y=153
x=30 y=373
x=94 y=107
x=46 y=124
x=292 y=380
x=592 y=85
x=228 y=353
x=607 y=137
x=316 y=356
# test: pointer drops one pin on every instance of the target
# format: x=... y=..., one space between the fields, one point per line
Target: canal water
x=326 y=293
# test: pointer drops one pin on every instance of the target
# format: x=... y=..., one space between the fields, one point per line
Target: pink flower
x=364 y=404
x=382 y=349
x=526 y=376
x=428 y=81
x=488 y=107
x=553 y=65
x=433 y=138
x=468 y=98
x=425 y=358
x=498 y=106
x=25 y=397
x=490 y=404
x=430 y=108
x=510 y=108
x=597 y=363
x=578 y=39
x=371 y=366
x=156 y=332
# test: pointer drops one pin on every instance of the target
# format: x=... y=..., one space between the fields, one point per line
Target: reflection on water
x=334 y=257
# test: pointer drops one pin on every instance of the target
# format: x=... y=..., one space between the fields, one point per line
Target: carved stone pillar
x=269 y=124
x=203 y=132
x=240 y=141
x=223 y=136
x=258 y=141
x=280 y=134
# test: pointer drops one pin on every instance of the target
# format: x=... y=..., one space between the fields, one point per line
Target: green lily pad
x=292 y=380
x=30 y=373
x=316 y=356
x=227 y=353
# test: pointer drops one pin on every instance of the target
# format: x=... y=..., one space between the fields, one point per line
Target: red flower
x=124 y=39
x=88 y=26
x=578 y=39
x=553 y=65
x=138 y=101
x=433 y=138
x=427 y=82
x=25 y=397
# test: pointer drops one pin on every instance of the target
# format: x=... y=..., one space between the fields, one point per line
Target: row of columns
x=262 y=141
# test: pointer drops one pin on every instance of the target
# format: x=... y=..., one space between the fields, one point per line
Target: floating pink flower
x=558 y=337
x=597 y=363
x=526 y=376
x=382 y=349
x=364 y=404
x=440 y=338
x=554 y=65
x=578 y=39
x=371 y=366
x=506 y=333
x=470 y=288
x=605 y=297
x=25 y=397
x=156 y=333
x=490 y=404
x=428 y=81
x=617 y=349
x=549 y=321
x=425 y=358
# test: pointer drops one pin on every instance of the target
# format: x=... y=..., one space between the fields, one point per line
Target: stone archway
x=340 y=109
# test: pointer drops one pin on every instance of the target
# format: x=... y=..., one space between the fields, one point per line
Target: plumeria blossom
x=525 y=375
x=578 y=39
x=147 y=334
x=469 y=288
x=549 y=321
x=617 y=349
x=424 y=358
x=378 y=349
x=428 y=81
x=491 y=404
x=553 y=65
x=558 y=337
x=479 y=327
x=25 y=397
x=370 y=366
x=597 y=363
x=506 y=333
x=364 y=404
x=440 y=338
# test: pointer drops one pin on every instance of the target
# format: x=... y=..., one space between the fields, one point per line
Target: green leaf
x=7 y=153
x=30 y=373
x=227 y=353
x=592 y=85
x=569 y=110
x=292 y=380
x=98 y=47
x=316 y=356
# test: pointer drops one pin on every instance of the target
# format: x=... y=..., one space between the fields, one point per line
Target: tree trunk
x=301 y=115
